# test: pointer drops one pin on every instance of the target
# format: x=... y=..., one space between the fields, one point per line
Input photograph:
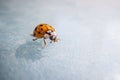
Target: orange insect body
x=41 y=29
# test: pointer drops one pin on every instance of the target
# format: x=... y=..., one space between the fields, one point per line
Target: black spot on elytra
x=38 y=32
x=41 y=28
x=41 y=25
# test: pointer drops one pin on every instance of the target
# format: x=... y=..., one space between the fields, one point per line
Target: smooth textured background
x=89 y=48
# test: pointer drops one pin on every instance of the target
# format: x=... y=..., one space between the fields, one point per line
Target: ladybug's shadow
x=30 y=51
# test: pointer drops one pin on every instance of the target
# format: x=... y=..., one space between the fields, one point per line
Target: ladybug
x=45 y=31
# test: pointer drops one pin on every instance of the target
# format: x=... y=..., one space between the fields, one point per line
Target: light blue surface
x=89 y=48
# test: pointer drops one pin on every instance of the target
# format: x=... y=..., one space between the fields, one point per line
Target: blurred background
x=89 y=46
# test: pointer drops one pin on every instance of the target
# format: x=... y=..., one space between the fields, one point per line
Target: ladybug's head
x=56 y=39
x=52 y=35
x=53 y=38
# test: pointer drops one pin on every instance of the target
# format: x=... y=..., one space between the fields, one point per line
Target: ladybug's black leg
x=44 y=43
x=35 y=39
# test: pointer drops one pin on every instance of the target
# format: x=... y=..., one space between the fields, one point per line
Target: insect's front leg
x=35 y=39
x=44 y=43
